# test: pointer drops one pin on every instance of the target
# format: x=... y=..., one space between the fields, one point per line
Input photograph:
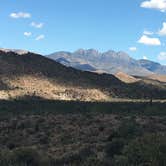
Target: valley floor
x=56 y=133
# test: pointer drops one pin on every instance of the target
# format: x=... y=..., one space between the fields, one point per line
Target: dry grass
x=43 y=87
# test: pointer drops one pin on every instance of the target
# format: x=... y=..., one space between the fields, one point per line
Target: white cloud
x=162 y=31
x=148 y=32
x=27 y=34
x=133 y=49
x=145 y=58
x=37 y=25
x=149 y=41
x=40 y=37
x=162 y=56
x=155 y=4
x=20 y=15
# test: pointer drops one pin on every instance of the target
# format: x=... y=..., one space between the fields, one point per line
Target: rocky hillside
x=29 y=74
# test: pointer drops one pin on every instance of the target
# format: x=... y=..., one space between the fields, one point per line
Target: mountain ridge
x=37 y=75
x=111 y=62
x=153 y=66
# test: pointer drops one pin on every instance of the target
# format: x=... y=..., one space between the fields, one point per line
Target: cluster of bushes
x=23 y=157
x=149 y=150
x=49 y=138
x=130 y=145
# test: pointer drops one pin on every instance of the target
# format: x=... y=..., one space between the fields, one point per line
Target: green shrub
x=150 y=150
x=128 y=129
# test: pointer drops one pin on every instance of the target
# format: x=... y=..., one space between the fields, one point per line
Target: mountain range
x=108 y=62
x=23 y=73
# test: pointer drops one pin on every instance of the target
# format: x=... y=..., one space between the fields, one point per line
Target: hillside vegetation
x=37 y=132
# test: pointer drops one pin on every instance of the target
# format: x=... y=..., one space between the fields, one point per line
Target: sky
x=137 y=27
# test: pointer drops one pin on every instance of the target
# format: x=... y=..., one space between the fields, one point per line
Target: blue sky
x=137 y=27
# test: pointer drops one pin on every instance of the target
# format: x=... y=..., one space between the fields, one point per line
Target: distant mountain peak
x=93 y=51
x=122 y=54
x=87 y=52
x=109 y=52
x=111 y=62
x=80 y=51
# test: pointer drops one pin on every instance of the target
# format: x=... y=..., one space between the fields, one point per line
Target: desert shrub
x=149 y=150
x=128 y=129
x=75 y=158
x=43 y=139
x=23 y=157
x=11 y=145
x=115 y=147
x=93 y=160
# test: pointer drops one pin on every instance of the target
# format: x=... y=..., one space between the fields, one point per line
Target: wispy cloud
x=148 y=32
x=20 y=15
x=40 y=37
x=27 y=34
x=162 y=31
x=37 y=25
x=149 y=41
x=133 y=49
x=155 y=4
x=162 y=56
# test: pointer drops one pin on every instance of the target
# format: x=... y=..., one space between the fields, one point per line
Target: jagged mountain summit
x=109 y=62
x=36 y=75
